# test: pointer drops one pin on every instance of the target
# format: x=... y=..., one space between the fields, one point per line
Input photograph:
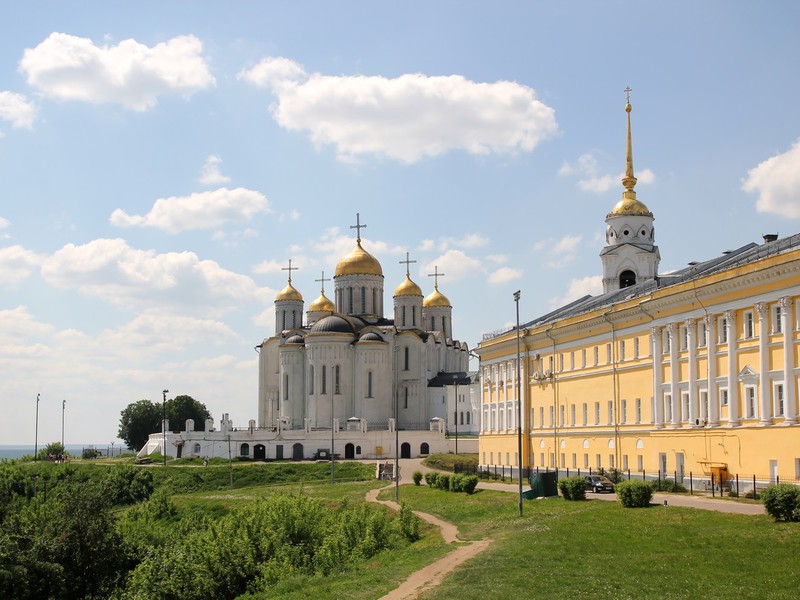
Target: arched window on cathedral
x=467 y=418
x=369 y=384
x=324 y=382
x=627 y=279
x=336 y=388
x=413 y=316
x=405 y=359
x=363 y=300
x=405 y=400
x=283 y=319
x=285 y=386
x=350 y=301
x=404 y=317
x=310 y=379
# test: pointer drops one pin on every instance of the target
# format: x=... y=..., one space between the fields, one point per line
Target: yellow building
x=694 y=371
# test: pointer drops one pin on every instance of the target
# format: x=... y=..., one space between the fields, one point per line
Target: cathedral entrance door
x=349 y=451
x=279 y=452
x=405 y=450
x=259 y=452
x=297 y=452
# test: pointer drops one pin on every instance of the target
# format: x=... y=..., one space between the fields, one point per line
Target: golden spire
x=629 y=181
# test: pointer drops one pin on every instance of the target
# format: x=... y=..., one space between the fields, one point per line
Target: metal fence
x=734 y=485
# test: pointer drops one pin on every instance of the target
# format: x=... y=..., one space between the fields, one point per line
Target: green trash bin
x=544 y=484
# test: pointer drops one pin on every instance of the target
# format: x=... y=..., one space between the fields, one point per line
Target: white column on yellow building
x=674 y=375
x=691 y=328
x=733 y=382
x=658 y=400
x=762 y=308
x=713 y=394
x=787 y=326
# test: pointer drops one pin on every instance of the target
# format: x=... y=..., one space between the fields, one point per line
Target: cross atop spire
x=323 y=280
x=436 y=276
x=358 y=227
x=628 y=91
x=407 y=262
x=290 y=268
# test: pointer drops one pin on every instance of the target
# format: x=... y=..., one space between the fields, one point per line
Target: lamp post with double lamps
x=36 y=432
x=164 y=426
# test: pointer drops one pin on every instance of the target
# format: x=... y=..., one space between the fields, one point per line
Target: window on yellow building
x=586 y=460
x=624 y=462
x=610 y=412
x=621 y=350
x=723 y=397
x=585 y=414
x=597 y=413
x=574 y=460
x=572 y=361
x=702 y=337
x=723 y=330
x=636 y=347
x=777 y=325
x=779 y=399
x=639 y=462
x=583 y=358
x=750 y=401
x=623 y=412
x=572 y=415
x=596 y=356
x=541 y=417
x=599 y=464
x=608 y=354
x=749 y=325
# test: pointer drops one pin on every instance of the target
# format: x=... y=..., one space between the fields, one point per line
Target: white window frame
x=779 y=395
x=751 y=402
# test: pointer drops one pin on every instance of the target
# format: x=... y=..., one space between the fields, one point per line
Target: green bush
x=470 y=483
x=417 y=477
x=457 y=483
x=670 y=486
x=573 y=488
x=615 y=475
x=431 y=478
x=634 y=493
x=443 y=482
x=782 y=502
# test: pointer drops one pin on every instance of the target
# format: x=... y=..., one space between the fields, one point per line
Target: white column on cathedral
x=691 y=328
x=674 y=375
x=733 y=382
x=713 y=394
x=763 y=364
x=787 y=326
x=658 y=401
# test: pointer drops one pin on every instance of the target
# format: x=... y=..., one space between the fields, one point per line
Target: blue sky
x=159 y=163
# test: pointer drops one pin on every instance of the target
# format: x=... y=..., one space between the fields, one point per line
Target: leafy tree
x=53 y=449
x=138 y=421
x=183 y=407
x=142 y=418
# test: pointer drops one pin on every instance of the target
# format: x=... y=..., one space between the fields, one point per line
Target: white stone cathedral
x=347 y=366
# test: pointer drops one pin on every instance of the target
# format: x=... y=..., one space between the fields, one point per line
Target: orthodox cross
x=628 y=91
x=290 y=268
x=407 y=263
x=436 y=276
x=358 y=227
x=323 y=280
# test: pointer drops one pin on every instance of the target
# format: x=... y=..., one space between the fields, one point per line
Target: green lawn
x=598 y=549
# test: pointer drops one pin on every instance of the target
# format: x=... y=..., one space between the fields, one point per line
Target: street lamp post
x=519 y=412
x=396 y=446
x=63 y=409
x=164 y=426
x=455 y=413
x=333 y=473
x=36 y=434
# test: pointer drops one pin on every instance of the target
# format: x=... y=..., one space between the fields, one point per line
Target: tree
x=138 y=421
x=142 y=418
x=183 y=407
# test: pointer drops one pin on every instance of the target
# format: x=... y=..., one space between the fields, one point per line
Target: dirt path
x=432 y=575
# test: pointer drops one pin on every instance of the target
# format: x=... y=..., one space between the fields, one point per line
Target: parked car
x=599 y=483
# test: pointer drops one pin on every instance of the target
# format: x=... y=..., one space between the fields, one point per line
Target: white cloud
x=504 y=275
x=405 y=118
x=578 y=288
x=560 y=252
x=587 y=170
x=17 y=264
x=125 y=276
x=454 y=265
x=67 y=67
x=210 y=174
x=16 y=109
x=268 y=266
x=202 y=210
x=777 y=183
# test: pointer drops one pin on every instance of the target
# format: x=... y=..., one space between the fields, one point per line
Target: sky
x=160 y=162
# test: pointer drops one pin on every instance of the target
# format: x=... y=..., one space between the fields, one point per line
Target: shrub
x=443 y=482
x=782 y=502
x=457 y=482
x=417 y=477
x=409 y=522
x=470 y=483
x=431 y=478
x=634 y=493
x=670 y=486
x=615 y=475
x=573 y=488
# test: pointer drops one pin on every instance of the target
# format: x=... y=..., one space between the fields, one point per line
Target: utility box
x=544 y=484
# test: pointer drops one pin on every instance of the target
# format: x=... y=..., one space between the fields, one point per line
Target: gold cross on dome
x=358 y=227
x=323 y=280
x=436 y=276
x=407 y=262
x=628 y=91
x=290 y=268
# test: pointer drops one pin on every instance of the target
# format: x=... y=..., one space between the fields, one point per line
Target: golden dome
x=359 y=262
x=323 y=303
x=289 y=293
x=407 y=288
x=436 y=298
x=630 y=206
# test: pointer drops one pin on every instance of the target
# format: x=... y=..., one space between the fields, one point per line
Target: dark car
x=598 y=483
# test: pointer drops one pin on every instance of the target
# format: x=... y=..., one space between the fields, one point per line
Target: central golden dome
x=359 y=262
x=323 y=303
x=289 y=293
x=630 y=206
x=407 y=288
x=436 y=298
